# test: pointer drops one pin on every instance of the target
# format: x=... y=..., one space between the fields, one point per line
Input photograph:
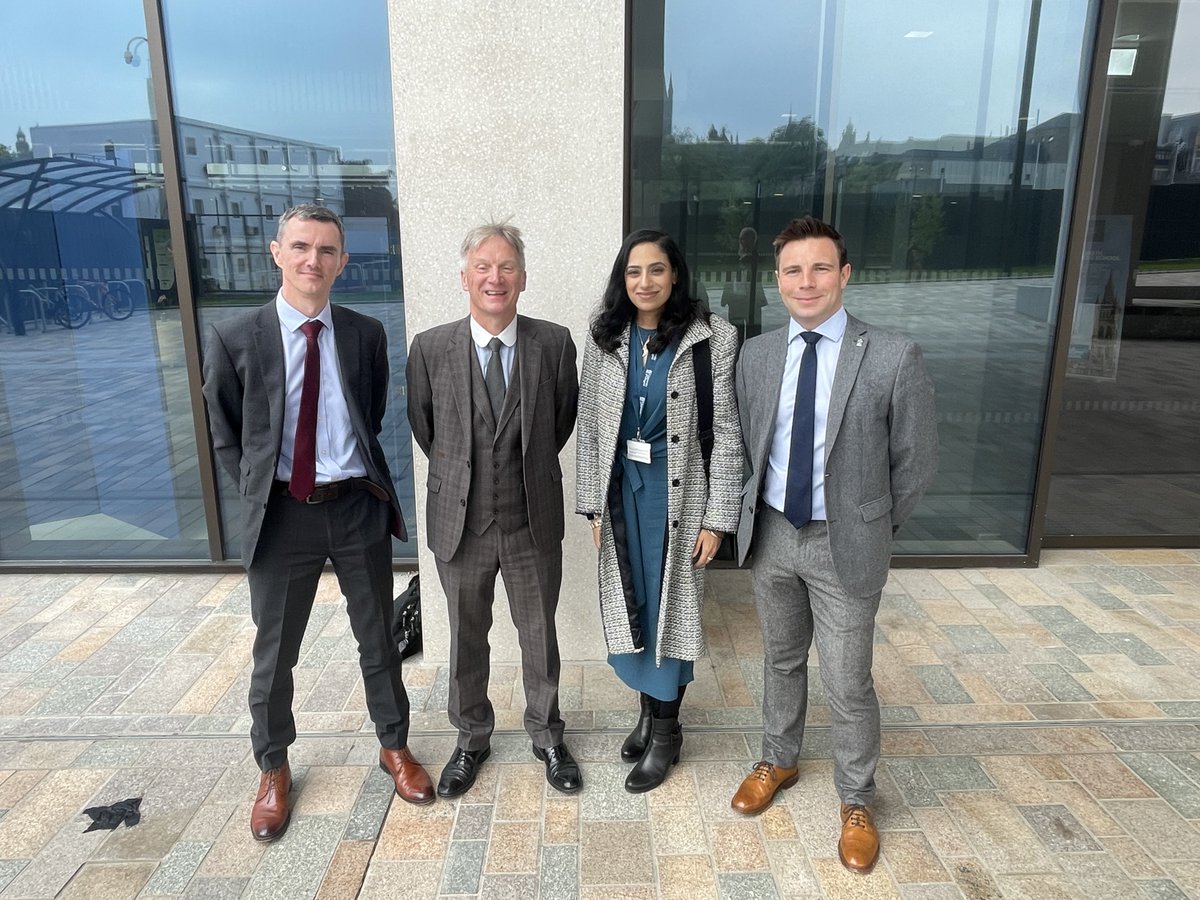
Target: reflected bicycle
x=109 y=297
x=69 y=307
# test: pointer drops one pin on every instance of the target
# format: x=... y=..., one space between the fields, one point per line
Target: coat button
x=462 y=502
x=674 y=395
x=674 y=482
x=468 y=464
x=674 y=439
x=675 y=524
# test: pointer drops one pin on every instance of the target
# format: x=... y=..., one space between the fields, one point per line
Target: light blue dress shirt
x=508 y=349
x=338 y=456
x=828 y=348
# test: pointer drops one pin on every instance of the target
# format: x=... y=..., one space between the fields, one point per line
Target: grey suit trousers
x=531 y=579
x=799 y=598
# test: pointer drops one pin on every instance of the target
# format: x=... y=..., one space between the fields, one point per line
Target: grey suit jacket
x=439 y=411
x=881 y=443
x=245 y=394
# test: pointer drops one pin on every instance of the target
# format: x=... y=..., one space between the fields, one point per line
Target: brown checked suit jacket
x=439 y=411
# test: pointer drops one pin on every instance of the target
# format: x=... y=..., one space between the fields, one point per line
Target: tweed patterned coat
x=693 y=502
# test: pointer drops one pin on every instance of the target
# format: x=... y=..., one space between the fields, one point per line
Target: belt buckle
x=321 y=493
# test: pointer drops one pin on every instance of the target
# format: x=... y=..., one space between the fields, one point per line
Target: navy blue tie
x=797 y=501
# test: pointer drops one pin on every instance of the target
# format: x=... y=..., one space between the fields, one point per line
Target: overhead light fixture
x=1121 y=60
x=918 y=34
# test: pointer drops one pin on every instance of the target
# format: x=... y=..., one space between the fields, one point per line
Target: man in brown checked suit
x=492 y=400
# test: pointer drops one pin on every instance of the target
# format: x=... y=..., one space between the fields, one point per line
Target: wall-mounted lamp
x=131 y=56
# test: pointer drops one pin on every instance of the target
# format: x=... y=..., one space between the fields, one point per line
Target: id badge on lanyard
x=636 y=449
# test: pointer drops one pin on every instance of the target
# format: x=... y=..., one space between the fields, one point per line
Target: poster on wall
x=1100 y=310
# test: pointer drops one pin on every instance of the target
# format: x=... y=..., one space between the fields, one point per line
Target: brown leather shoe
x=760 y=786
x=412 y=781
x=858 y=847
x=270 y=815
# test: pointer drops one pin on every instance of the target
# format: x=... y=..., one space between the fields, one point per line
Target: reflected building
x=1045 y=252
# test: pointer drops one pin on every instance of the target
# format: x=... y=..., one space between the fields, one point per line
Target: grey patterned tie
x=494 y=377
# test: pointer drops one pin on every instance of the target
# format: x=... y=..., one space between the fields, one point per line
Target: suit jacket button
x=674 y=482
x=468 y=464
x=675 y=524
x=674 y=439
x=462 y=502
x=674 y=395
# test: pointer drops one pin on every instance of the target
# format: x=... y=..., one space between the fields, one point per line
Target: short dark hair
x=311 y=212
x=617 y=310
x=807 y=228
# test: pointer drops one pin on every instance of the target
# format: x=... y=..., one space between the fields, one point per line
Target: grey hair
x=479 y=234
x=305 y=212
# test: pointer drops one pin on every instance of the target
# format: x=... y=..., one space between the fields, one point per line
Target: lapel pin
x=858 y=342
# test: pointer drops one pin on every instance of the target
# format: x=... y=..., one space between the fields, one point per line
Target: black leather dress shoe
x=562 y=772
x=460 y=772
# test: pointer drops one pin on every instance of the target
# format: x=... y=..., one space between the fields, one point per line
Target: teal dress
x=644 y=506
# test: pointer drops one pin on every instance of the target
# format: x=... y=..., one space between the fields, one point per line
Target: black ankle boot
x=666 y=740
x=635 y=744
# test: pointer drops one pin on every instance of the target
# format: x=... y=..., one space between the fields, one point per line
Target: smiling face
x=493 y=279
x=310 y=256
x=810 y=281
x=649 y=279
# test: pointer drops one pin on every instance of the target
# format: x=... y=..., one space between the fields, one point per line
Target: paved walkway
x=1042 y=739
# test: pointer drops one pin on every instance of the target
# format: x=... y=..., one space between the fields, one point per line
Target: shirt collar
x=291 y=318
x=831 y=329
x=481 y=336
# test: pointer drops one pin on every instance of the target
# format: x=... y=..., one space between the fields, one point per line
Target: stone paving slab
x=1041 y=738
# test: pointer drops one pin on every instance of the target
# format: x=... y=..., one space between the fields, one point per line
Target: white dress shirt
x=508 y=346
x=338 y=456
x=828 y=347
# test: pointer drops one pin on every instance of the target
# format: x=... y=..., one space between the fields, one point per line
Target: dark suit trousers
x=531 y=579
x=296 y=540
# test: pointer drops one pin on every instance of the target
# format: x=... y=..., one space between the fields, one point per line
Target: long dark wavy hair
x=618 y=311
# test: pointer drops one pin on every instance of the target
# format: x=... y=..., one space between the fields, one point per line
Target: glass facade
x=97 y=450
x=258 y=134
x=953 y=144
x=938 y=137
x=1127 y=452
x=98 y=443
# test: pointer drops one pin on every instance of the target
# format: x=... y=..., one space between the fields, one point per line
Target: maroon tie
x=304 y=454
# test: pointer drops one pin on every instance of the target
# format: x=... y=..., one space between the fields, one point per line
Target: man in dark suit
x=840 y=436
x=296 y=392
x=492 y=401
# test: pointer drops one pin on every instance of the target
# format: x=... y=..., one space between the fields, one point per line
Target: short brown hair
x=305 y=212
x=807 y=228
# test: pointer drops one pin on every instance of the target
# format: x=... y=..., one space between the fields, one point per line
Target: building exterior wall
x=511 y=110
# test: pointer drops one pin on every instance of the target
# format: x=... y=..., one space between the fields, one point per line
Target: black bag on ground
x=406 y=619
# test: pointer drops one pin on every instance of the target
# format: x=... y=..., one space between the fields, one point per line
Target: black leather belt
x=323 y=493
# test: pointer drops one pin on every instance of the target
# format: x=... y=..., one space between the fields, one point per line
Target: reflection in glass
x=1126 y=461
x=262 y=127
x=938 y=137
x=97 y=453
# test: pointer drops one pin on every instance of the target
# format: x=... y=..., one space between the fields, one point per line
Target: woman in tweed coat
x=657 y=519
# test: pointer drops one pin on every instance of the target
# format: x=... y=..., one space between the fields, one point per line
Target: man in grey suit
x=296 y=391
x=841 y=442
x=492 y=400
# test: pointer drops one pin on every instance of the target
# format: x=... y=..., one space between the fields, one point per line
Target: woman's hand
x=595 y=523
x=708 y=542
